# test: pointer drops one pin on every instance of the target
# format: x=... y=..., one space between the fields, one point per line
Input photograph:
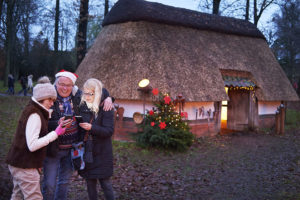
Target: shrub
x=163 y=127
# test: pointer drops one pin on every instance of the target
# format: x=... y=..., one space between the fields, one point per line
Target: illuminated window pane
x=224 y=103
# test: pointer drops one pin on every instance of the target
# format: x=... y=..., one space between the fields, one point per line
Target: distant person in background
x=23 y=84
x=28 y=149
x=11 y=84
x=29 y=83
x=298 y=89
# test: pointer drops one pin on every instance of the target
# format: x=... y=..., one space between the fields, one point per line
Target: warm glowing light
x=144 y=83
x=224 y=113
x=226 y=90
x=224 y=108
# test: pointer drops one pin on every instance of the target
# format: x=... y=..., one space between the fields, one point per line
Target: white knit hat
x=67 y=74
x=44 y=91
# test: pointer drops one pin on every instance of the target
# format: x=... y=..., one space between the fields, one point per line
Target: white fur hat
x=44 y=91
x=67 y=74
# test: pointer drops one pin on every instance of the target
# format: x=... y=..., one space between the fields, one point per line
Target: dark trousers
x=10 y=90
x=105 y=185
x=24 y=89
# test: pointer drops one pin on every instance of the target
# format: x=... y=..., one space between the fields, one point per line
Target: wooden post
x=217 y=117
x=253 y=112
x=282 y=119
x=277 y=122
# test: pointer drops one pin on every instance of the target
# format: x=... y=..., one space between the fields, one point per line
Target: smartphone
x=68 y=116
x=64 y=125
x=79 y=119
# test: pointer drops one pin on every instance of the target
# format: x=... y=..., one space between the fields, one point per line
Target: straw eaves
x=179 y=59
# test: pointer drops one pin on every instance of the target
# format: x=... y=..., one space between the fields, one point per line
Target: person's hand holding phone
x=66 y=121
x=86 y=126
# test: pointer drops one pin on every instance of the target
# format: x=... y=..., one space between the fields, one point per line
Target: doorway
x=239 y=86
x=238 y=109
x=224 y=112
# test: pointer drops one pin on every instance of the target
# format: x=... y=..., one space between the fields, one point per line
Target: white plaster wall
x=267 y=107
x=131 y=107
x=190 y=107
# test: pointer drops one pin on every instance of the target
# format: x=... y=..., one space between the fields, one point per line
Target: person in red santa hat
x=57 y=166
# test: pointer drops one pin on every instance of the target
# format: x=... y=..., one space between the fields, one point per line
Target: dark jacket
x=23 y=82
x=19 y=154
x=102 y=130
x=11 y=81
x=52 y=148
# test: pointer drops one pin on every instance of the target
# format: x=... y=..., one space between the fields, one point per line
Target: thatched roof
x=180 y=59
x=140 y=10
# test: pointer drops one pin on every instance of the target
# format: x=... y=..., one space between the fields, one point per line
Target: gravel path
x=243 y=166
x=238 y=167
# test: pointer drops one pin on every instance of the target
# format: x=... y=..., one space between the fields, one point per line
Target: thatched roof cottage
x=191 y=53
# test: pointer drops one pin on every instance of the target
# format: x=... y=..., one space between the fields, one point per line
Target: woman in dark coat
x=99 y=125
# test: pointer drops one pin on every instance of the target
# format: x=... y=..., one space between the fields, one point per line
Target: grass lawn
x=10 y=108
x=292 y=119
x=18 y=87
x=3 y=89
x=239 y=166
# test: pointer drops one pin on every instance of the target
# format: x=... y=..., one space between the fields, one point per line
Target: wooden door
x=238 y=110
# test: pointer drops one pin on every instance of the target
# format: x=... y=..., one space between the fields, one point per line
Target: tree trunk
x=255 y=12
x=247 y=10
x=26 y=41
x=1 y=5
x=62 y=37
x=8 y=39
x=216 y=6
x=82 y=29
x=106 y=6
x=292 y=60
x=13 y=58
x=56 y=36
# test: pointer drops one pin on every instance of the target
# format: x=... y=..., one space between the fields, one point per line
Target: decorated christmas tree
x=163 y=127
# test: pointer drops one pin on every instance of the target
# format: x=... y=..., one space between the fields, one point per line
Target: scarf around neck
x=66 y=101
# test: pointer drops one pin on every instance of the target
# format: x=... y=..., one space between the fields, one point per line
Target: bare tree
x=69 y=21
x=1 y=4
x=56 y=29
x=9 y=37
x=82 y=30
x=287 y=45
x=57 y=12
x=106 y=7
x=28 y=15
x=220 y=7
x=258 y=9
x=216 y=6
x=235 y=8
x=247 y=10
